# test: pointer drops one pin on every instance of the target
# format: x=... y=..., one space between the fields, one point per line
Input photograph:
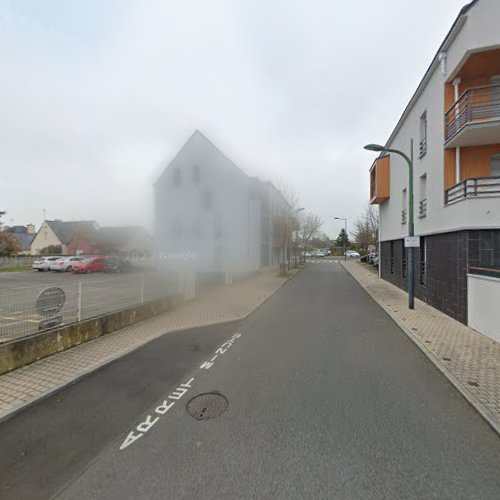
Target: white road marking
x=143 y=427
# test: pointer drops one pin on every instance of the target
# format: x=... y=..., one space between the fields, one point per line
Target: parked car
x=318 y=253
x=116 y=265
x=65 y=263
x=89 y=265
x=308 y=254
x=375 y=262
x=352 y=254
x=43 y=263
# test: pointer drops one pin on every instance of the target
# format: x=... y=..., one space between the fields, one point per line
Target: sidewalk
x=25 y=385
x=470 y=360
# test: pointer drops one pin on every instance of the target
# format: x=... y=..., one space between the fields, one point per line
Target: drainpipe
x=456 y=86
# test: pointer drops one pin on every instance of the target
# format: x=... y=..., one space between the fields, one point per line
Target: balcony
x=380 y=180
x=474 y=119
x=480 y=187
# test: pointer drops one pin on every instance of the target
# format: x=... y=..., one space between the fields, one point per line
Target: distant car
x=351 y=254
x=64 y=264
x=43 y=263
x=89 y=265
x=116 y=265
x=318 y=253
x=308 y=254
x=327 y=252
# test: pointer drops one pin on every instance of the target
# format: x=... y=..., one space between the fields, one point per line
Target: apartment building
x=454 y=119
x=212 y=218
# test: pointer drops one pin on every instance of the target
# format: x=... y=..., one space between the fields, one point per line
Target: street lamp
x=409 y=159
x=345 y=239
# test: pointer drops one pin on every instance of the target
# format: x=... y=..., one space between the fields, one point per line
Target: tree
x=366 y=228
x=8 y=243
x=308 y=228
x=342 y=239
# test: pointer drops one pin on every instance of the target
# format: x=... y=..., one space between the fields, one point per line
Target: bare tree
x=308 y=228
x=366 y=226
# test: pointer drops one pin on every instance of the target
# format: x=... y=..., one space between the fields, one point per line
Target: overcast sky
x=96 y=96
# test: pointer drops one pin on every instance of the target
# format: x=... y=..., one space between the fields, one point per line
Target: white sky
x=97 y=96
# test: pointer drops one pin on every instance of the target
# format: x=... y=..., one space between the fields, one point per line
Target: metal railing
x=479 y=187
x=404 y=216
x=422 y=208
x=422 y=147
x=476 y=104
x=28 y=310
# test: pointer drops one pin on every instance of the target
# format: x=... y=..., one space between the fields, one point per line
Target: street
x=326 y=398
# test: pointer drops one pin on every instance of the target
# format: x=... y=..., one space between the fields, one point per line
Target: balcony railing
x=422 y=148
x=475 y=105
x=373 y=190
x=422 y=208
x=403 y=216
x=480 y=187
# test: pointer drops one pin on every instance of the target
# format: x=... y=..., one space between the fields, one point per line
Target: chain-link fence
x=28 y=310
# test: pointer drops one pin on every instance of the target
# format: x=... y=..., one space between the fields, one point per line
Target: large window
x=422 y=205
x=196 y=174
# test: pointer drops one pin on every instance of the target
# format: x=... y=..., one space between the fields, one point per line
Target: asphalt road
x=327 y=398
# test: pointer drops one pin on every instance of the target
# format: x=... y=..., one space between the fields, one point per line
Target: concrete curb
x=17 y=409
x=470 y=398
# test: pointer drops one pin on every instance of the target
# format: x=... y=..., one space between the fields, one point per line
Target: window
x=495 y=166
x=423 y=135
x=404 y=211
x=177 y=177
x=422 y=206
x=196 y=174
x=206 y=199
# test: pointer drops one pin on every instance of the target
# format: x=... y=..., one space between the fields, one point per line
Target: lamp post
x=345 y=239
x=411 y=232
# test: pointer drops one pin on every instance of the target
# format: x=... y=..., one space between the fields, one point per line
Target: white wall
x=481 y=30
x=483 y=299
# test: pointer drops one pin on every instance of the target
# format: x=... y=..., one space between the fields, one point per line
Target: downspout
x=456 y=86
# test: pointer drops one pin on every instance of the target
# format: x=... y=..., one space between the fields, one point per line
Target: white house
x=211 y=217
x=454 y=118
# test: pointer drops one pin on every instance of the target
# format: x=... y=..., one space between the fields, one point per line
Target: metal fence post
x=79 y=309
x=142 y=288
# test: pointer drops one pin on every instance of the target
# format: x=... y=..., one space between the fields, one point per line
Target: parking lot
x=85 y=296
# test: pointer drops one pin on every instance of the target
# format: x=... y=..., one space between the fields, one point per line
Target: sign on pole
x=412 y=241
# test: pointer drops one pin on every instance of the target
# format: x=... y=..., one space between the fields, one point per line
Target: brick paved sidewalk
x=25 y=385
x=470 y=360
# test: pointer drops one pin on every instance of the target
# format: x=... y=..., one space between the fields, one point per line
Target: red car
x=89 y=265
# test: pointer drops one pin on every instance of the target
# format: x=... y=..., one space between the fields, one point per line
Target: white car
x=351 y=254
x=43 y=263
x=64 y=263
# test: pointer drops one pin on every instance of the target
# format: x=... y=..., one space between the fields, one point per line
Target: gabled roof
x=67 y=230
x=197 y=137
x=24 y=240
x=455 y=28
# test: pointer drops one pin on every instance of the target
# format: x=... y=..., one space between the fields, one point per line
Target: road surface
x=327 y=398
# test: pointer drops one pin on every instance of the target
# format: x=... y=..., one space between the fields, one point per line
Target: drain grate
x=208 y=405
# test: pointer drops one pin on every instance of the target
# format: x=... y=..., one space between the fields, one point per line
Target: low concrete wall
x=30 y=349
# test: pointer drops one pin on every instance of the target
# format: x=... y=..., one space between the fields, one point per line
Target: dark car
x=116 y=265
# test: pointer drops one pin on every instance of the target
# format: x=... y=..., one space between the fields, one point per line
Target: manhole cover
x=208 y=405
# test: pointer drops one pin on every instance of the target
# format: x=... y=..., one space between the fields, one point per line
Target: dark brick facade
x=441 y=277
